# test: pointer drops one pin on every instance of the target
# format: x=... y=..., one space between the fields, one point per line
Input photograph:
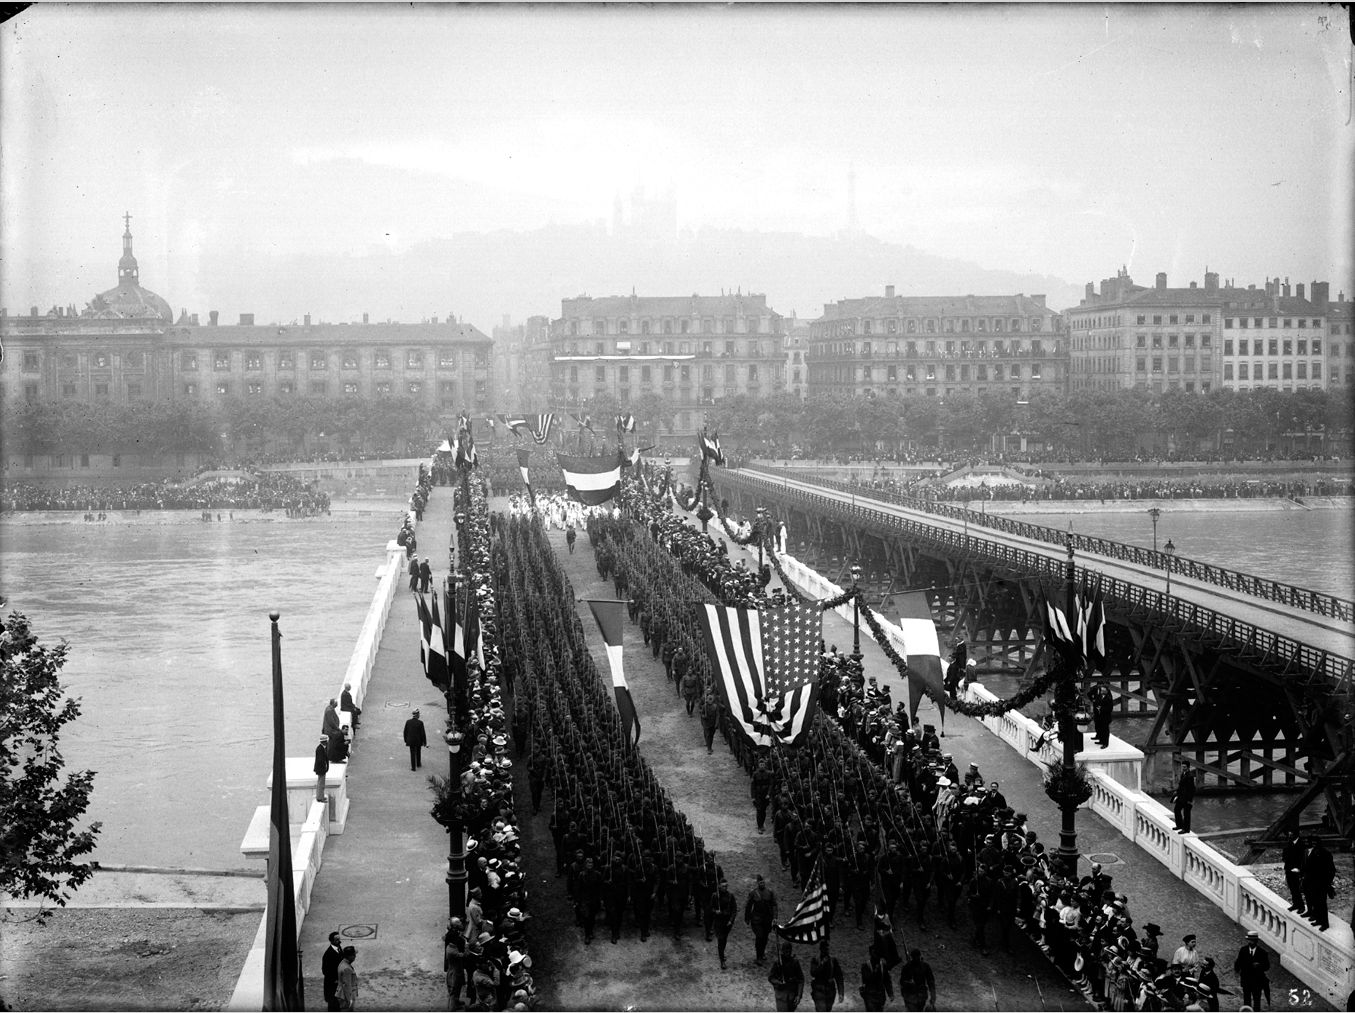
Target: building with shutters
x=931 y=346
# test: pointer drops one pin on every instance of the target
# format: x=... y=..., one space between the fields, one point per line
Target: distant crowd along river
x=168 y=626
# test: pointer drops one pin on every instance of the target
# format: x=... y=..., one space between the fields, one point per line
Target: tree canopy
x=41 y=841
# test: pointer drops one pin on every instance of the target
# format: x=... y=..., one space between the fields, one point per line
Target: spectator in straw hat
x=1253 y=968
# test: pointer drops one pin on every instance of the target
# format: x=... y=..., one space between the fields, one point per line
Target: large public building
x=691 y=351
x=933 y=346
x=1207 y=337
x=126 y=346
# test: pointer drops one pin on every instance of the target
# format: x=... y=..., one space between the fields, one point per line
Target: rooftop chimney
x=1298 y=290
x=307 y=318
x=1320 y=294
x=1162 y=281
x=246 y=319
x=212 y=316
x=1285 y=290
x=889 y=291
x=364 y=318
x=1194 y=284
x=1211 y=281
x=1089 y=295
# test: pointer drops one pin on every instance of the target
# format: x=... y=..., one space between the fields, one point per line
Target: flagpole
x=281 y=985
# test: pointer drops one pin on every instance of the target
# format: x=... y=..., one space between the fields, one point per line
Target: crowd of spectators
x=1059 y=487
x=263 y=491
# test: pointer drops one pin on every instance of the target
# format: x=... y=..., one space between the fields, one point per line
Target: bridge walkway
x=1331 y=635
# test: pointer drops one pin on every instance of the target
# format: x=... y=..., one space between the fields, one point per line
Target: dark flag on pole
x=281 y=982
x=922 y=650
x=611 y=620
x=523 y=455
x=591 y=480
x=438 y=670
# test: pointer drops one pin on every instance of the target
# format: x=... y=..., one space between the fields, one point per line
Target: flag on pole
x=809 y=923
x=625 y=423
x=760 y=689
x=472 y=637
x=710 y=447
x=922 y=650
x=584 y=421
x=281 y=984
x=438 y=670
x=591 y=480
x=541 y=426
x=466 y=456
x=1092 y=633
x=523 y=455
x=425 y=630
x=1060 y=639
x=609 y=616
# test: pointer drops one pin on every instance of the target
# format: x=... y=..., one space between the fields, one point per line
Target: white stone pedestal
x=301 y=791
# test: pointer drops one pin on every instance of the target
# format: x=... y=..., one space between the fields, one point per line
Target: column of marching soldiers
x=873 y=798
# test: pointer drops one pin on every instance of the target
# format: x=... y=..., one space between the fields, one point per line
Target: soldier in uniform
x=588 y=889
x=614 y=897
x=825 y=978
x=893 y=873
x=759 y=913
x=724 y=911
x=710 y=719
x=859 y=881
x=643 y=884
x=678 y=894
x=762 y=792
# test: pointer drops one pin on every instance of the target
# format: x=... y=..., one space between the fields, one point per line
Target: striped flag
x=609 y=615
x=541 y=426
x=438 y=670
x=1060 y=638
x=809 y=923
x=760 y=692
x=584 y=421
x=281 y=982
x=922 y=650
x=710 y=447
x=523 y=456
x=625 y=423
x=591 y=480
x=1091 y=628
x=425 y=630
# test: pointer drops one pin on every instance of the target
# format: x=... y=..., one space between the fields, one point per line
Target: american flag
x=809 y=923
x=768 y=664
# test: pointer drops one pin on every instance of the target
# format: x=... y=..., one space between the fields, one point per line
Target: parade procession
x=895 y=853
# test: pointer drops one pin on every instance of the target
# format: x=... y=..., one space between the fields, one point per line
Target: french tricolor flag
x=609 y=614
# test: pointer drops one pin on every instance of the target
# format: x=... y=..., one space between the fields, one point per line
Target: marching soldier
x=759 y=913
x=825 y=978
x=724 y=911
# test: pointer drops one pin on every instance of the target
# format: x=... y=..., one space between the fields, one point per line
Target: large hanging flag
x=584 y=421
x=523 y=456
x=625 y=423
x=922 y=650
x=710 y=448
x=425 y=630
x=809 y=923
x=767 y=664
x=466 y=456
x=610 y=615
x=591 y=480
x=1060 y=638
x=541 y=426
x=438 y=668
x=1091 y=628
x=281 y=982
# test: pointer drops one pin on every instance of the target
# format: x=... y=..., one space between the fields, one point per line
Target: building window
x=134 y=390
x=1227 y=370
x=1303 y=346
x=1317 y=371
x=1206 y=318
x=1302 y=373
x=447 y=388
x=223 y=388
x=1288 y=347
x=1141 y=364
x=188 y=361
x=133 y=360
x=1317 y=344
x=600 y=374
x=1190 y=340
x=383 y=387
x=446 y=359
x=68 y=390
x=254 y=388
x=253 y=361
x=1288 y=371
x=1157 y=340
x=414 y=359
x=30 y=362
x=317 y=360
x=1190 y=318
x=286 y=360
x=221 y=361
x=1256 y=322
x=318 y=387
x=348 y=360
x=1242 y=371
x=1157 y=364
x=1256 y=347
x=381 y=360
x=623 y=326
x=645 y=374
x=416 y=387
x=1227 y=323
x=1275 y=347
x=1172 y=340
x=623 y=374
x=599 y=327
x=685 y=374
x=190 y=390
x=1142 y=319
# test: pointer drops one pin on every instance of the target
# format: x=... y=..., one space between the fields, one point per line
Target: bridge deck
x=1326 y=634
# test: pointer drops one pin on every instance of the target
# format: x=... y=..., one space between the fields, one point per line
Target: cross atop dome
x=128 y=274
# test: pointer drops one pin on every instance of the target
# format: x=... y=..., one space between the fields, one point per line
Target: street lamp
x=456 y=830
x=1154 y=513
x=1072 y=721
x=856 y=615
x=1170 y=549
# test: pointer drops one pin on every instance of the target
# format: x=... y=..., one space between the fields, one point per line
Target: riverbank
x=346 y=509
x=1271 y=504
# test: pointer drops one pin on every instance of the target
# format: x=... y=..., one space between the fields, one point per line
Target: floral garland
x=985 y=709
x=749 y=540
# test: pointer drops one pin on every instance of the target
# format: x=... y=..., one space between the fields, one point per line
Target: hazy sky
x=1064 y=140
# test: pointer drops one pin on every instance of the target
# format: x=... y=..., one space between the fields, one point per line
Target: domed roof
x=129 y=300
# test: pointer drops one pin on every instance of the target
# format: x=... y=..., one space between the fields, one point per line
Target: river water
x=167 y=617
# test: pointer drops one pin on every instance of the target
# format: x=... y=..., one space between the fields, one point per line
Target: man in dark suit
x=346 y=703
x=1319 y=872
x=329 y=967
x=321 y=767
x=1293 y=856
x=1252 y=966
x=416 y=737
x=1183 y=800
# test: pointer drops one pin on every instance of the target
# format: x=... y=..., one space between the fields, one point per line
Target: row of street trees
x=1083 y=424
x=235 y=427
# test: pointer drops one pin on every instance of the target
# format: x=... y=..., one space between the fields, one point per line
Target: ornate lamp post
x=1072 y=721
x=1154 y=513
x=1170 y=550
x=456 y=831
x=856 y=615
